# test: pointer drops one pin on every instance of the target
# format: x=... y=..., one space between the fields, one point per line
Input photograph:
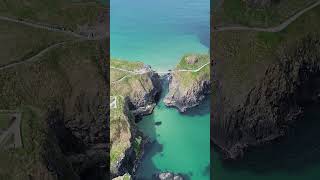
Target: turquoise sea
x=159 y=33
x=181 y=143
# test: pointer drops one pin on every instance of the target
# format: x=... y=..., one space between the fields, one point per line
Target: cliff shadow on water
x=202 y=109
x=147 y=167
x=292 y=154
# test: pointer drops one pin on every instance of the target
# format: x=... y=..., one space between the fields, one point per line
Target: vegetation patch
x=186 y=78
x=23 y=42
x=58 y=13
x=5 y=120
x=243 y=56
x=120 y=133
x=239 y=12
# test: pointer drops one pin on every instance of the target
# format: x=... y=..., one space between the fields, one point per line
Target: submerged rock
x=158 y=123
x=168 y=176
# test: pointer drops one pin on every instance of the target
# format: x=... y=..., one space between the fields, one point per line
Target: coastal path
x=143 y=71
x=270 y=29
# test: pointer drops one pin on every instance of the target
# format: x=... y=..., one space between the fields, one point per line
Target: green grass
x=4 y=120
x=126 y=177
x=201 y=60
x=58 y=12
x=130 y=66
x=238 y=12
x=137 y=145
x=120 y=133
x=244 y=55
x=127 y=65
x=60 y=75
x=18 y=163
x=22 y=42
x=187 y=79
x=132 y=83
x=52 y=77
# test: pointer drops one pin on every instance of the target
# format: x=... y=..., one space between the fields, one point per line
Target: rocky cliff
x=272 y=105
x=188 y=88
x=136 y=95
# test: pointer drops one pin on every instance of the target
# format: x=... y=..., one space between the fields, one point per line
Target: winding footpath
x=42 y=26
x=52 y=28
x=270 y=29
x=38 y=55
x=143 y=71
x=33 y=58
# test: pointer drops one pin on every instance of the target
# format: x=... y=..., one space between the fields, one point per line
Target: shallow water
x=181 y=142
x=159 y=33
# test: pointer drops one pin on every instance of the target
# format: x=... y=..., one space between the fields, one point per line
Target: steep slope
x=189 y=82
x=262 y=81
x=68 y=86
x=135 y=89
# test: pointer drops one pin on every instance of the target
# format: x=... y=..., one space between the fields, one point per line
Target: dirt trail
x=270 y=29
x=160 y=72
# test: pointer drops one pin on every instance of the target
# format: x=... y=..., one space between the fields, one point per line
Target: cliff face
x=184 y=98
x=272 y=104
x=189 y=83
x=145 y=93
x=135 y=96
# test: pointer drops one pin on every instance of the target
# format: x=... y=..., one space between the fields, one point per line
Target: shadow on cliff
x=202 y=109
x=294 y=154
x=146 y=167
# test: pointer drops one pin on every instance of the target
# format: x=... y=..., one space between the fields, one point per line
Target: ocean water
x=296 y=157
x=159 y=33
x=181 y=143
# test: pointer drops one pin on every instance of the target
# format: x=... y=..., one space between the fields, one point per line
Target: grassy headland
x=243 y=56
x=234 y=12
x=188 y=78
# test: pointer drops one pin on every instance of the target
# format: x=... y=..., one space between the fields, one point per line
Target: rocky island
x=135 y=89
x=189 y=82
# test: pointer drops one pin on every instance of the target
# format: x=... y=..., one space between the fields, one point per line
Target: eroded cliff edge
x=135 y=89
x=189 y=82
x=274 y=102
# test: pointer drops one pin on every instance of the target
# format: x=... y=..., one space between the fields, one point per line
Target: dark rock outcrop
x=80 y=137
x=144 y=92
x=272 y=105
x=186 y=97
x=144 y=97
